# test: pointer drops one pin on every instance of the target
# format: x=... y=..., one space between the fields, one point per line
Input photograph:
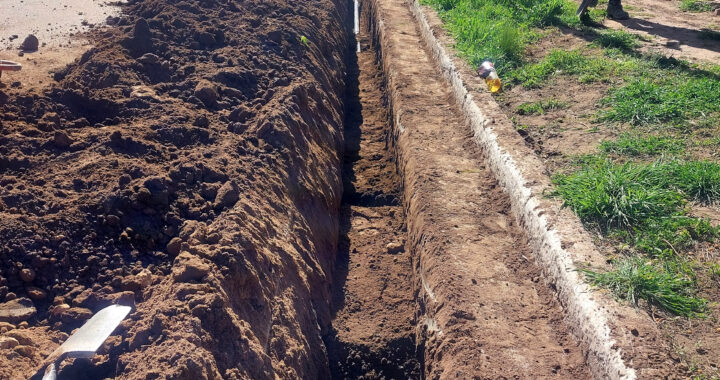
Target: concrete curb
x=586 y=312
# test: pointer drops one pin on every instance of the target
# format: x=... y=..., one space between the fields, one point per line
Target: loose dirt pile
x=189 y=163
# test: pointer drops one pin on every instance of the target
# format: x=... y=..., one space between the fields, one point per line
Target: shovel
x=9 y=66
x=584 y=5
x=88 y=338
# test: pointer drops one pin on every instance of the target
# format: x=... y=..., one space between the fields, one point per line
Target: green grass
x=562 y=62
x=696 y=6
x=698 y=180
x=617 y=39
x=638 y=145
x=636 y=278
x=618 y=196
x=541 y=107
x=674 y=99
x=632 y=195
x=499 y=31
x=645 y=206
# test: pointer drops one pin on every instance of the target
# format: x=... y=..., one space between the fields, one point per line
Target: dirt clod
x=227 y=195
x=394 y=247
x=207 y=93
x=173 y=247
x=35 y=293
x=7 y=342
x=17 y=310
x=189 y=268
x=62 y=140
x=27 y=275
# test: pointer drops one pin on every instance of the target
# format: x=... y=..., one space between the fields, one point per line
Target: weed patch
x=635 y=279
x=644 y=206
x=696 y=6
x=561 y=62
x=617 y=39
x=500 y=31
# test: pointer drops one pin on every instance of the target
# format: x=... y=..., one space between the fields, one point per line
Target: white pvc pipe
x=357 y=22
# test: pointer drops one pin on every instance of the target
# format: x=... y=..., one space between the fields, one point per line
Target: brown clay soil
x=189 y=164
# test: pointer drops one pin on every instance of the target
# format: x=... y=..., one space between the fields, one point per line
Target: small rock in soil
x=138 y=282
x=62 y=140
x=31 y=43
x=74 y=314
x=17 y=310
x=394 y=247
x=149 y=59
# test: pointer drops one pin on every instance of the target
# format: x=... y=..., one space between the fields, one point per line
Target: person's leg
x=615 y=11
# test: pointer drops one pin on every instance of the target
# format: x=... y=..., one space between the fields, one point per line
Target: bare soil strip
x=483 y=308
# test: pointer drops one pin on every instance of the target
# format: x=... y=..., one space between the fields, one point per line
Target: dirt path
x=61 y=30
x=484 y=308
x=373 y=334
x=672 y=32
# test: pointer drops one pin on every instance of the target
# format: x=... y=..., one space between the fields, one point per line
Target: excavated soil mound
x=189 y=164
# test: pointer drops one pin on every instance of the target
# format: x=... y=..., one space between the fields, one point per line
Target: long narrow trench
x=373 y=302
x=470 y=301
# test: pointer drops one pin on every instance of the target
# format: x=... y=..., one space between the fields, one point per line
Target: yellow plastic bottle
x=487 y=72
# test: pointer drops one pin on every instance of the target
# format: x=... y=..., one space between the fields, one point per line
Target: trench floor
x=373 y=302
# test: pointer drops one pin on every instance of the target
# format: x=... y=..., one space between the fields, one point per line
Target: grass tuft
x=617 y=39
x=699 y=180
x=635 y=279
x=617 y=196
x=643 y=145
x=696 y=6
x=558 y=62
x=541 y=107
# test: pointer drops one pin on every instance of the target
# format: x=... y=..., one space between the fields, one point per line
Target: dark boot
x=615 y=11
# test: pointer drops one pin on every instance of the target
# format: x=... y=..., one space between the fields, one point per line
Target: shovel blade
x=87 y=339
